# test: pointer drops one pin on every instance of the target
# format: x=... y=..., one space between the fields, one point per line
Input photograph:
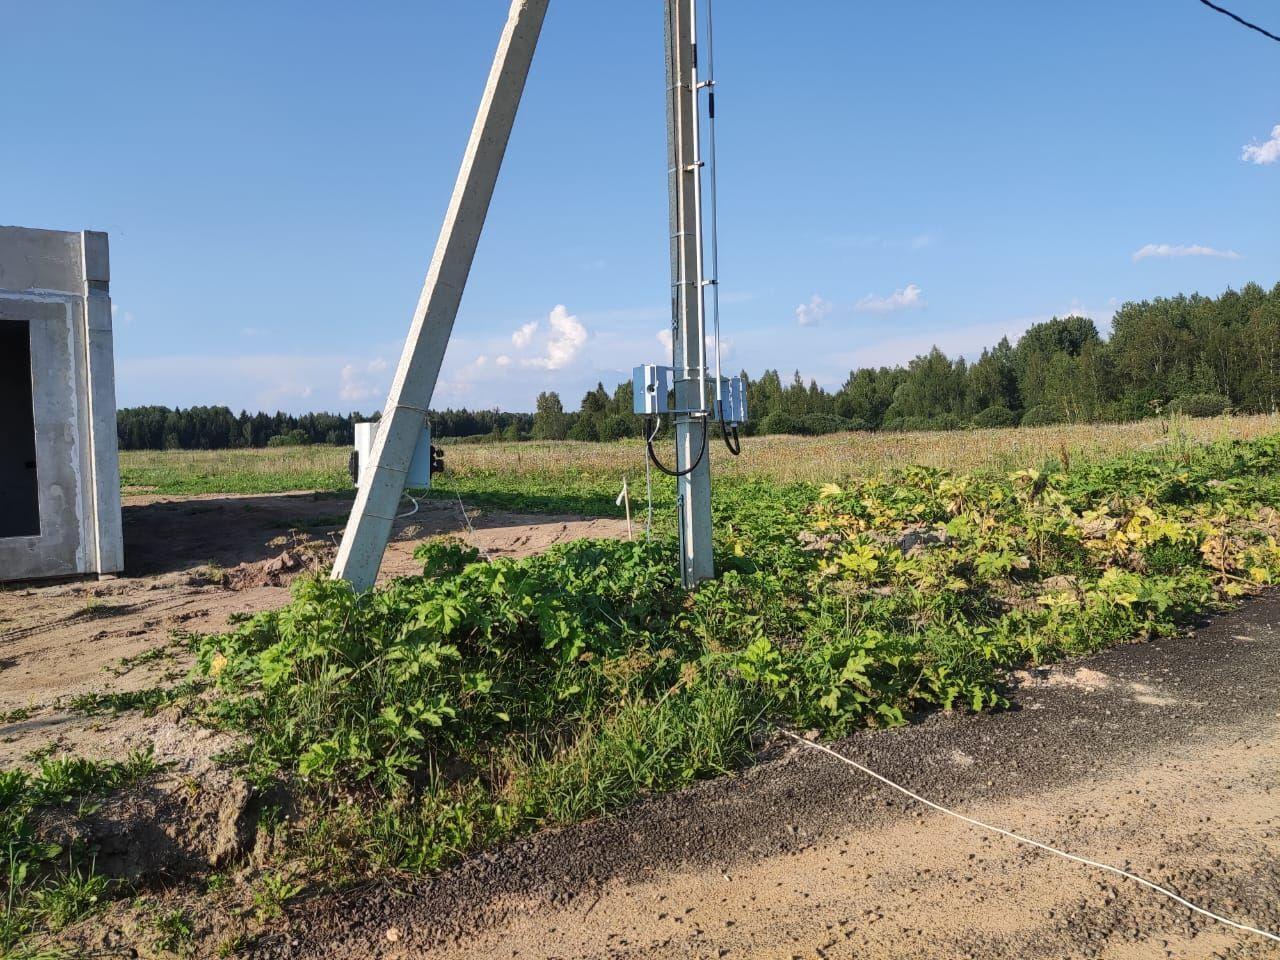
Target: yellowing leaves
x=1120 y=586
x=861 y=560
x=1058 y=599
x=218 y=664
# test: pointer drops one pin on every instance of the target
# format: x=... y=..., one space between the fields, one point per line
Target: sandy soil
x=1161 y=758
x=193 y=563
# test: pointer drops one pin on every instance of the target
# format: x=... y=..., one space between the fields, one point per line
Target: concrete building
x=59 y=464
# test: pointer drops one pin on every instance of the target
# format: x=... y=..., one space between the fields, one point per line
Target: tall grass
x=547 y=470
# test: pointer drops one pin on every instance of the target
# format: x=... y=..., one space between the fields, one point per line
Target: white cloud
x=524 y=336
x=664 y=338
x=565 y=342
x=1263 y=153
x=812 y=312
x=1166 y=251
x=909 y=297
x=502 y=360
x=362 y=382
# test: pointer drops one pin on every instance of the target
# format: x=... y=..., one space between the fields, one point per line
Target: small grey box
x=734 y=400
x=650 y=386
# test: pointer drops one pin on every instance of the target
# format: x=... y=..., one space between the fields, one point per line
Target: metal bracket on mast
x=365 y=539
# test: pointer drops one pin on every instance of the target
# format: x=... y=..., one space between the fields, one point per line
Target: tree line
x=1191 y=354
x=219 y=428
x=1196 y=355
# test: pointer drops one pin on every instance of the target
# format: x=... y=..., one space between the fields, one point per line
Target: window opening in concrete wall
x=19 y=488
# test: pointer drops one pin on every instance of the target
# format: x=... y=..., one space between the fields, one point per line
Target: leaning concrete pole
x=688 y=334
x=369 y=526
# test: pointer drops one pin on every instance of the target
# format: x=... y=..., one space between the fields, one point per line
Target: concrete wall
x=59 y=283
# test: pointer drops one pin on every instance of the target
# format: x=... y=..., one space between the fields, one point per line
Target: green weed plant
x=452 y=710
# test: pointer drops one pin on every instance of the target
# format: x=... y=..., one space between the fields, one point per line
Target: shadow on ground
x=164 y=535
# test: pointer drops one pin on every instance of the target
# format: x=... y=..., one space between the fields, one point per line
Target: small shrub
x=294 y=438
x=995 y=416
x=583 y=429
x=782 y=422
x=617 y=427
x=1200 y=405
x=1042 y=415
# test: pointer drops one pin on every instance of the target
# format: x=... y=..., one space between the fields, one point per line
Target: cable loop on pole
x=650 y=434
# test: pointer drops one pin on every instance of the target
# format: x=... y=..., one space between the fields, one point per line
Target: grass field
x=585 y=477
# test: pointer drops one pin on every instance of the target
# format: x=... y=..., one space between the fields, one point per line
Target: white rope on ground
x=1033 y=843
x=470 y=529
x=409 y=513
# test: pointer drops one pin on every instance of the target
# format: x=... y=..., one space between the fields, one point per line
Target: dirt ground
x=1161 y=758
x=192 y=563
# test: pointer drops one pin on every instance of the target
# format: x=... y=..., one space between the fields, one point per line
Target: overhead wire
x=1241 y=20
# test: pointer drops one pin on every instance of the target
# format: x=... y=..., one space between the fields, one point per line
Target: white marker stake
x=625 y=498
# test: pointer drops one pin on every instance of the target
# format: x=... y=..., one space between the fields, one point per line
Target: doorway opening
x=19 y=488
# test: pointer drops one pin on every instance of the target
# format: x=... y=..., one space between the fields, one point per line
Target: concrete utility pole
x=688 y=316
x=369 y=526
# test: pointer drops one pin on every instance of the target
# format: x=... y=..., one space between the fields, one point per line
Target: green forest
x=1195 y=355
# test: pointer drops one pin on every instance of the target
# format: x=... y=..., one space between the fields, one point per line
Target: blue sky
x=892 y=176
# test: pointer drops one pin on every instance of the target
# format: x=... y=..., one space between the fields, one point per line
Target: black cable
x=1241 y=20
x=735 y=447
x=651 y=433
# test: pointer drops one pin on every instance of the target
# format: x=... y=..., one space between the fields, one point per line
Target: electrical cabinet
x=426 y=458
x=651 y=385
x=734 y=394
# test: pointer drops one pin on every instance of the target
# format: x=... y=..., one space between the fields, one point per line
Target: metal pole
x=714 y=280
x=365 y=539
x=688 y=336
x=700 y=299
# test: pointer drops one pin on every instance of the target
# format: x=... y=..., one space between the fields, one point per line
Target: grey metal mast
x=365 y=539
x=688 y=315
